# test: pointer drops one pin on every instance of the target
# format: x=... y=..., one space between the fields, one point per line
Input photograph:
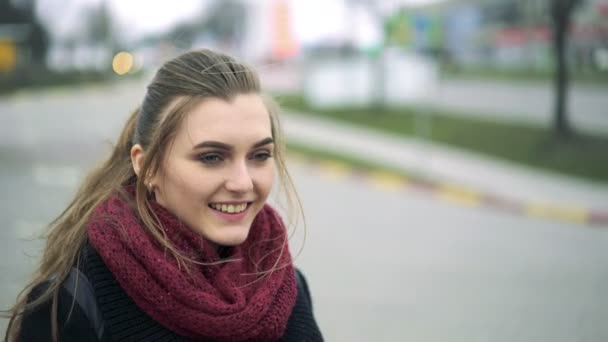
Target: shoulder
x=302 y=325
x=303 y=290
x=74 y=320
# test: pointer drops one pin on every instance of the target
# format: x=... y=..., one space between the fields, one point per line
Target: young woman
x=171 y=238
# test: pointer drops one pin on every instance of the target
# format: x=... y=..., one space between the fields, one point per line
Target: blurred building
x=23 y=40
x=502 y=34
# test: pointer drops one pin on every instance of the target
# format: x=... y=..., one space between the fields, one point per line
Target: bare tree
x=561 y=12
x=99 y=28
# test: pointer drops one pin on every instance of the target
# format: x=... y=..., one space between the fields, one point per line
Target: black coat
x=103 y=311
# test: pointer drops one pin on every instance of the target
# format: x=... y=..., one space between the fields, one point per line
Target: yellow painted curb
x=459 y=195
x=462 y=196
x=570 y=214
x=334 y=169
x=387 y=181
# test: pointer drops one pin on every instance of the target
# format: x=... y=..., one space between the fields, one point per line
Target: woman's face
x=217 y=175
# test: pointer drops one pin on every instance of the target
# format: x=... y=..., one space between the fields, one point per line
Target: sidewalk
x=528 y=103
x=503 y=101
x=441 y=164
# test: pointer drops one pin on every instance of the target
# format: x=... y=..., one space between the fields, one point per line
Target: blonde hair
x=185 y=80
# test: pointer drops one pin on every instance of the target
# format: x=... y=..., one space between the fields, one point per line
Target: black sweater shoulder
x=92 y=306
x=302 y=325
x=72 y=322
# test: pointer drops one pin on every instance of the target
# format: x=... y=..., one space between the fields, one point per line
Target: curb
x=457 y=195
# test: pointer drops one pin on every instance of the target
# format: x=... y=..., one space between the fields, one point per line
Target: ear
x=137 y=158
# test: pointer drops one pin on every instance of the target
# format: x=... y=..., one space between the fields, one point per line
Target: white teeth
x=229 y=208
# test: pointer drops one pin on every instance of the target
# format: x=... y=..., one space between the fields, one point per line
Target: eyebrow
x=223 y=146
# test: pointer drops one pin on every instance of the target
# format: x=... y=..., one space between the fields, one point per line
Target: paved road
x=383 y=265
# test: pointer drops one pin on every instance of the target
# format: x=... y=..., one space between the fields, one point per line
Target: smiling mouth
x=230 y=208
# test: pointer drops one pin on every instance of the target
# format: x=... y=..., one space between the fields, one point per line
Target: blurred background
x=451 y=155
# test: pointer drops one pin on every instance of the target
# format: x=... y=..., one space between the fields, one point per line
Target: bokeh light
x=122 y=63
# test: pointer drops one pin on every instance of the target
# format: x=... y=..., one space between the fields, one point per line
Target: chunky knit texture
x=117 y=317
x=124 y=321
x=219 y=302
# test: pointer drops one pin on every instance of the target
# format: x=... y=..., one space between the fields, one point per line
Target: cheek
x=265 y=178
x=182 y=178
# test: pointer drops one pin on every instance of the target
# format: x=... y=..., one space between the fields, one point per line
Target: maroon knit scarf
x=213 y=303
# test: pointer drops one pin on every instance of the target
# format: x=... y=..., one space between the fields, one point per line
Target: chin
x=230 y=239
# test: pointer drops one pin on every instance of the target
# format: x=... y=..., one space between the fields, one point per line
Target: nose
x=239 y=179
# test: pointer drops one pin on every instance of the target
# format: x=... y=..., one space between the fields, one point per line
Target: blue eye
x=211 y=158
x=262 y=156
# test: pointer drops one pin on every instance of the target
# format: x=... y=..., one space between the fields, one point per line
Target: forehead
x=242 y=119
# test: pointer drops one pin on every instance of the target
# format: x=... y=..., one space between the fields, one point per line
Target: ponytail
x=67 y=234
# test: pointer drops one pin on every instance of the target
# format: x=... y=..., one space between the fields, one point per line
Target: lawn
x=582 y=155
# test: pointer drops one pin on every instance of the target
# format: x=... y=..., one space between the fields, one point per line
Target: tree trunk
x=562 y=10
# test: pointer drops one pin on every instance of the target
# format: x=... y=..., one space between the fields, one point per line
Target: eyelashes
x=262 y=156
x=210 y=158
x=215 y=158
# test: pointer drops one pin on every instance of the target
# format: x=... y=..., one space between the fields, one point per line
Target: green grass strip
x=583 y=156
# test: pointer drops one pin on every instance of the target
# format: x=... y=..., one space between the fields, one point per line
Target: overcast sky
x=135 y=17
